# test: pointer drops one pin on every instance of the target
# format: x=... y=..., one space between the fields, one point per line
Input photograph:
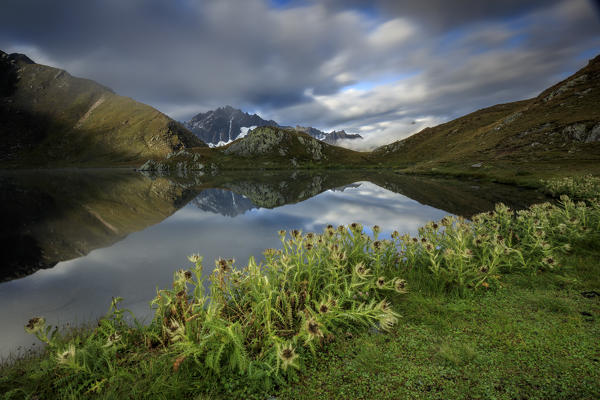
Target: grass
x=502 y=307
x=69 y=121
x=528 y=340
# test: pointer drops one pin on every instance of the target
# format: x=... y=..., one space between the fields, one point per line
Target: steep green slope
x=560 y=126
x=50 y=118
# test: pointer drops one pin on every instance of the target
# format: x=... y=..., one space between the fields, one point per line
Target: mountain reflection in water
x=94 y=234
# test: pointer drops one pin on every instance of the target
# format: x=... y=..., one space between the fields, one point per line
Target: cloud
x=462 y=71
x=368 y=67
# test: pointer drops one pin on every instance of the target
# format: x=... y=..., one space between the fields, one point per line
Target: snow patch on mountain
x=243 y=132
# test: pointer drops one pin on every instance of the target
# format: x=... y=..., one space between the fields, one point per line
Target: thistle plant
x=578 y=187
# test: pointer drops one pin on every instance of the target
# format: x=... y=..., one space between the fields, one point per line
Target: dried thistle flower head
x=296 y=233
x=35 y=324
x=224 y=266
x=376 y=229
x=361 y=271
x=67 y=355
x=180 y=279
x=387 y=321
x=380 y=282
x=549 y=261
x=384 y=306
x=112 y=339
x=400 y=286
x=287 y=355
x=282 y=233
x=269 y=252
x=395 y=234
x=356 y=227
x=323 y=308
x=195 y=258
x=313 y=328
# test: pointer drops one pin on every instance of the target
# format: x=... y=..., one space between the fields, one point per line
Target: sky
x=382 y=68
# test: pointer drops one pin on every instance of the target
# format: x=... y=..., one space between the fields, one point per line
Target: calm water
x=75 y=239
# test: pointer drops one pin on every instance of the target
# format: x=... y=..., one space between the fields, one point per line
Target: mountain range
x=49 y=118
x=226 y=124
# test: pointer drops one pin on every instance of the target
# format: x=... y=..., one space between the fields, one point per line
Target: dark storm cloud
x=442 y=14
x=187 y=52
x=385 y=68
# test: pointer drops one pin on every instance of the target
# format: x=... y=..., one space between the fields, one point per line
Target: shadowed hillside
x=50 y=118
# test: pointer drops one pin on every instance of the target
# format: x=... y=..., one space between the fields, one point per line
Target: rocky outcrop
x=314 y=148
x=582 y=132
x=269 y=141
x=259 y=142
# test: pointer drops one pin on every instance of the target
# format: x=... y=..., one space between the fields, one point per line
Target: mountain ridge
x=51 y=118
x=562 y=123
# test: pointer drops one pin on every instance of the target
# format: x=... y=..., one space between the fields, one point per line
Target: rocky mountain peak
x=226 y=124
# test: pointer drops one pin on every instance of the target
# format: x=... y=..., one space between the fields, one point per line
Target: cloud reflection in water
x=80 y=290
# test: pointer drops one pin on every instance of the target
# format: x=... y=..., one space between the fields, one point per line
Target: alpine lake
x=74 y=239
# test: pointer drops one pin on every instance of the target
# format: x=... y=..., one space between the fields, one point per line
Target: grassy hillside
x=558 y=128
x=50 y=118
